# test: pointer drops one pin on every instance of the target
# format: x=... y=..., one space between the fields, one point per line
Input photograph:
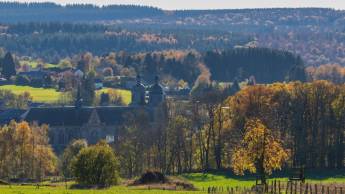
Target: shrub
x=96 y=165
x=71 y=151
x=152 y=177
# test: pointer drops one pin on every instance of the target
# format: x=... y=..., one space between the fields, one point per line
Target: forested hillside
x=55 y=40
x=43 y=12
x=48 y=29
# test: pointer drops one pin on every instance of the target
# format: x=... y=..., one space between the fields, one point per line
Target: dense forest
x=57 y=40
x=266 y=65
x=26 y=12
x=33 y=29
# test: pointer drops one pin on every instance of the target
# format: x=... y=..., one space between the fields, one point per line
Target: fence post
x=327 y=189
x=316 y=188
x=322 y=189
x=291 y=187
x=279 y=186
x=341 y=190
x=306 y=188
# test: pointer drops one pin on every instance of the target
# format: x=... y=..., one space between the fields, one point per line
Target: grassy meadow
x=199 y=180
x=34 y=64
x=49 y=95
x=62 y=190
x=125 y=94
x=38 y=94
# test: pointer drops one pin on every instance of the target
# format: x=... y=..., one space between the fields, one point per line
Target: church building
x=96 y=123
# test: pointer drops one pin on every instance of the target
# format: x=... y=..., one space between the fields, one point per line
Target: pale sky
x=210 y=4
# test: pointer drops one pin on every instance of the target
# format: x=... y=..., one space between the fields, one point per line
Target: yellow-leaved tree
x=259 y=151
x=25 y=151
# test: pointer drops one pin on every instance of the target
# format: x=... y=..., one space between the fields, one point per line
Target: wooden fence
x=278 y=187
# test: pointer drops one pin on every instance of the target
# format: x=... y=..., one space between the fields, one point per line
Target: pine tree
x=8 y=66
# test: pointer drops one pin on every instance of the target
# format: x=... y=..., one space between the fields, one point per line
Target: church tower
x=156 y=93
x=138 y=93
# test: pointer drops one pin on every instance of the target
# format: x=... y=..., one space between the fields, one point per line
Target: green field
x=51 y=95
x=38 y=94
x=62 y=190
x=201 y=181
x=126 y=94
x=33 y=64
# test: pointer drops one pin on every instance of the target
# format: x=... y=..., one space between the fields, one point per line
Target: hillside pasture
x=125 y=94
x=44 y=95
x=50 y=95
x=33 y=64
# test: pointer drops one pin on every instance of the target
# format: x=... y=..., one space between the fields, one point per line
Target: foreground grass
x=199 y=180
x=48 y=95
x=62 y=190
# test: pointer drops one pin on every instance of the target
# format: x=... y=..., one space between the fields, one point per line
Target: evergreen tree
x=8 y=66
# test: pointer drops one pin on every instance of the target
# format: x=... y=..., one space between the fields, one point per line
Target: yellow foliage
x=258 y=149
x=25 y=151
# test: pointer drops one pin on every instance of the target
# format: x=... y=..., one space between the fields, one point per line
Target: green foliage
x=69 y=155
x=96 y=165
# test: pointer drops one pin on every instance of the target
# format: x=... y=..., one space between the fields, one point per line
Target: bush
x=96 y=165
x=71 y=151
x=152 y=177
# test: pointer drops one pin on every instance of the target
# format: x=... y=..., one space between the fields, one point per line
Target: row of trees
x=301 y=123
x=27 y=156
x=10 y=100
x=25 y=152
x=259 y=129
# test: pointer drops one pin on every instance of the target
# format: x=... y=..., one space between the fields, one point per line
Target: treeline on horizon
x=26 y=12
x=12 y=12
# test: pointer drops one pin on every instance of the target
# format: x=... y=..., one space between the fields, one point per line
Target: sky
x=210 y=4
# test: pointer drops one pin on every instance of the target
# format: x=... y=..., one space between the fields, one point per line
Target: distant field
x=126 y=94
x=38 y=94
x=33 y=64
x=51 y=95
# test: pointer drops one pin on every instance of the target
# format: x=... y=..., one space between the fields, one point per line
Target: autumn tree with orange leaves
x=260 y=151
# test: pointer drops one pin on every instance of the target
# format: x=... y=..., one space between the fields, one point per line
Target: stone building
x=96 y=123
